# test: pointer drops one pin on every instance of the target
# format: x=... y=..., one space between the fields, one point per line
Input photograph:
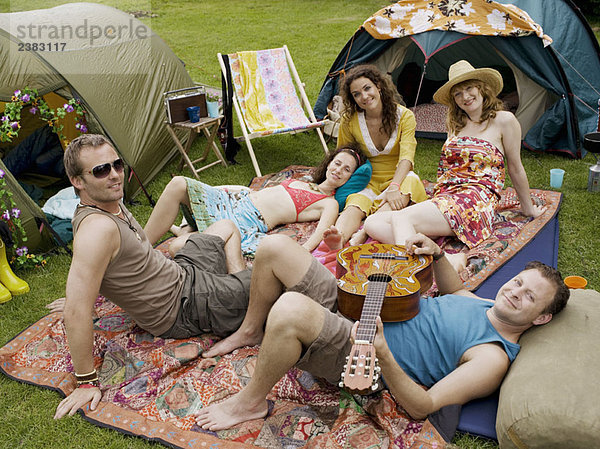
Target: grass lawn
x=315 y=31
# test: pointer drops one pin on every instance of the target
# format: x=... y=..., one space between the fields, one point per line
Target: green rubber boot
x=4 y=294
x=14 y=284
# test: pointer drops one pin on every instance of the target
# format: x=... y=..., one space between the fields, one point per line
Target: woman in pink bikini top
x=289 y=202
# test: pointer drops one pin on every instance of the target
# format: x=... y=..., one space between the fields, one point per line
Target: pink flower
x=83 y=129
x=2 y=173
x=4 y=118
x=25 y=98
x=17 y=93
x=33 y=110
x=22 y=251
x=6 y=215
x=68 y=107
x=15 y=125
x=16 y=213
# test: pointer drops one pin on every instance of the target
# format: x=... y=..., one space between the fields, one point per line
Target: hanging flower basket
x=29 y=98
x=9 y=129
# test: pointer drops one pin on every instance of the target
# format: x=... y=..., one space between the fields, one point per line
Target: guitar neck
x=370 y=311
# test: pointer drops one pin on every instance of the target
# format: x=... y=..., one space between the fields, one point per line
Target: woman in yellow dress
x=385 y=131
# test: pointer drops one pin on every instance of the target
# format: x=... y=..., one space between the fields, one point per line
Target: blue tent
x=558 y=86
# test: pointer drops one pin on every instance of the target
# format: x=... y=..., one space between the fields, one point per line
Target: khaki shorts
x=319 y=285
x=326 y=356
x=212 y=299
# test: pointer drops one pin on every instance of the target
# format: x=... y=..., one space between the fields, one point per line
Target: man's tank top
x=429 y=346
x=139 y=279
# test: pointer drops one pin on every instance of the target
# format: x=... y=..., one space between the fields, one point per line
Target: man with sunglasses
x=205 y=288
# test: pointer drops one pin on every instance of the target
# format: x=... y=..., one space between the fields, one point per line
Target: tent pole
x=150 y=200
x=420 y=83
x=41 y=222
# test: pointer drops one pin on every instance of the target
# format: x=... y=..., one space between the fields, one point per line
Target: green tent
x=111 y=62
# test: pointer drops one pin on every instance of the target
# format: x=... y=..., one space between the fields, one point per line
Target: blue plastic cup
x=556 y=178
x=194 y=113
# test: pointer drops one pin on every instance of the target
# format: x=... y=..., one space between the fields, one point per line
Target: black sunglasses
x=102 y=171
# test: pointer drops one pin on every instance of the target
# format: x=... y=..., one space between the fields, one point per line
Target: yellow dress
x=401 y=145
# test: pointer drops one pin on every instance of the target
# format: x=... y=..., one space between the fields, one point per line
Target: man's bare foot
x=458 y=261
x=230 y=412
x=236 y=340
x=358 y=238
x=333 y=238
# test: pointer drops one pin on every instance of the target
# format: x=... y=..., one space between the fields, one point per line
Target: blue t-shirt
x=429 y=346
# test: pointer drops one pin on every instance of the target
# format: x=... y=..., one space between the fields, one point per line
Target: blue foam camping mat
x=478 y=417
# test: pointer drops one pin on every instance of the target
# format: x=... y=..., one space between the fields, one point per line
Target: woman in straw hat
x=385 y=131
x=481 y=136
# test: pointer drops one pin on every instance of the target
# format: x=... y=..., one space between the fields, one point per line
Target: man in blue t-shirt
x=459 y=345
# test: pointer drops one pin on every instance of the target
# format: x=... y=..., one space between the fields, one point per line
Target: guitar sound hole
x=379 y=277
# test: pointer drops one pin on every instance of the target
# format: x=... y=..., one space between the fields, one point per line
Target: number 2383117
x=42 y=46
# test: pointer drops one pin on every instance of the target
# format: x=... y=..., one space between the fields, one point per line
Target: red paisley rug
x=151 y=386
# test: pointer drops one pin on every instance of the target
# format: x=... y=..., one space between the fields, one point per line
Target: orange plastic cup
x=575 y=282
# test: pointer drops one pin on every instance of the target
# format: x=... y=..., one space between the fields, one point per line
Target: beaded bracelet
x=82 y=382
x=85 y=377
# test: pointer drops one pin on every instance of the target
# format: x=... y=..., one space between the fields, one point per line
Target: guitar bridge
x=383 y=256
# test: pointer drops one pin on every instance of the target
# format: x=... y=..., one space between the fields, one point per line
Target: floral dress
x=470 y=179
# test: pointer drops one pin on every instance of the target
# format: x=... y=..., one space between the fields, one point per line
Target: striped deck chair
x=268 y=96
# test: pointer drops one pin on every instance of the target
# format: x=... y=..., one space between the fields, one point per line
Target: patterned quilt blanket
x=511 y=230
x=150 y=386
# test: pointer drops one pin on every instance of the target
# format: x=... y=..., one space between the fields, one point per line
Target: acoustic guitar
x=374 y=280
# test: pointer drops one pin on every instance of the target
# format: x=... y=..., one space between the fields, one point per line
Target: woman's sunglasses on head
x=103 y=170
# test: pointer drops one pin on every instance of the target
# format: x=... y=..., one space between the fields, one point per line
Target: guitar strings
x=366 y=331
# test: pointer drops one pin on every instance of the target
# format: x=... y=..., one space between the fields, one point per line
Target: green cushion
x=551 y=395
x=358 y=181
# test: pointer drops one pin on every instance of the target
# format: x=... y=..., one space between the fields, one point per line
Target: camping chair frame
x=248 y=136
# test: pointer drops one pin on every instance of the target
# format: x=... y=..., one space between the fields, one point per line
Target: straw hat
x=462 y=71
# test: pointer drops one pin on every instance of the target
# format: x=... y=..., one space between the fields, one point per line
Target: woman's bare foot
x=333 y=238
x=405 y=200
x=458 y=261
x=236 y=340
x=230 y=412
x=358 y=238
x=178 y=231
